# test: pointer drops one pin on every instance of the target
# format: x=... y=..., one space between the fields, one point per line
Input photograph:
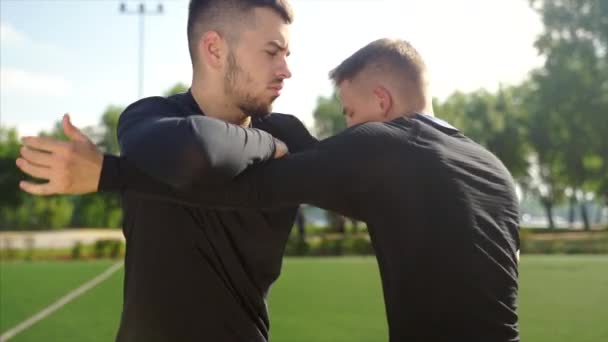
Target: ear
x=212 y=49
x=385 y=100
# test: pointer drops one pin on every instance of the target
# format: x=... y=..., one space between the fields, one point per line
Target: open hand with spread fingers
x=70 y=167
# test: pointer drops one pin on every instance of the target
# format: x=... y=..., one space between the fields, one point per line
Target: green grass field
x=562 y=299
x=28 y=287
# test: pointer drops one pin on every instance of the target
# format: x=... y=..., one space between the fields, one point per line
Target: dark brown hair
x=221 y=15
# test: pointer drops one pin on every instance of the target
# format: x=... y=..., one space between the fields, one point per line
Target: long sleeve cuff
x=110 y=178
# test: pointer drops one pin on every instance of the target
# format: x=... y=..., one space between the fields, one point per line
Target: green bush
x=565 y=246
x=116 y=249
x=7 y=251
x=329 y=246
x=99 y=248
x=77 y=251
x=107 y=248
x=297 y=246
x=358 y=246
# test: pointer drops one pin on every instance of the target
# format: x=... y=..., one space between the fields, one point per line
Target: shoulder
x=152 y=104
x=399 y=130
x=281 y=121
x=150 y=108
x=287 y=128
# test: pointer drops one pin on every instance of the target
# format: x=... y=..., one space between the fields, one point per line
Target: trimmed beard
x=244 y=100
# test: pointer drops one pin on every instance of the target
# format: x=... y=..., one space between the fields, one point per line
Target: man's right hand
x=71 y=167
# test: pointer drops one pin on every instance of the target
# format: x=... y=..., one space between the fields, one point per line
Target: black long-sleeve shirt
x=441 y=210
x=195 y=274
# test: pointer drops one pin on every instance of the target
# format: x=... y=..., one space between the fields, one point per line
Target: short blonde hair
x=390 y=55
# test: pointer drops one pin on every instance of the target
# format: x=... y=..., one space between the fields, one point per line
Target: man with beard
x=441 y=210
x=194 y=274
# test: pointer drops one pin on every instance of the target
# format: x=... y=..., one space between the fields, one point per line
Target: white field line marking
x=59 y=303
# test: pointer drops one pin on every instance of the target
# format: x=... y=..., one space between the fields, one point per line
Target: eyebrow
x=278 y=45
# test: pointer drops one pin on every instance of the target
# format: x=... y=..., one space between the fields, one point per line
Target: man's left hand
x=71 y=167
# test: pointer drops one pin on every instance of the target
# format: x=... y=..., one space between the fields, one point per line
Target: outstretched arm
x=336 y=174
x=173 y=149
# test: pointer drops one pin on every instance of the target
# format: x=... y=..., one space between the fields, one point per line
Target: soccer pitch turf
x=562 y=298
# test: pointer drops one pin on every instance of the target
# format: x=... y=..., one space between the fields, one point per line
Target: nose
x=284 y=72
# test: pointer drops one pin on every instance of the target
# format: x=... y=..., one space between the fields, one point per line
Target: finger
x=45 y=144
x=36 y=157
x=72 y=131
x=34 y=170
x=36 y=189
x=280 y=149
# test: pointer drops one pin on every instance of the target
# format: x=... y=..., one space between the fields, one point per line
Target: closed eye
x=276 y=46
x=347 y=112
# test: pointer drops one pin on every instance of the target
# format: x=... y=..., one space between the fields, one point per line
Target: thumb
x=71 y=131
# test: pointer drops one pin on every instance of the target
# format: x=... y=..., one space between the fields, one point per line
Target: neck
x=419 y=102
x=428 y=109
x=212 y=101
x=410 y=111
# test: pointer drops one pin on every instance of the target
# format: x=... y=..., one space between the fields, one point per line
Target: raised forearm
x=182 y=151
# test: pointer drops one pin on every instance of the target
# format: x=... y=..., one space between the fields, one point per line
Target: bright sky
x=79 y=56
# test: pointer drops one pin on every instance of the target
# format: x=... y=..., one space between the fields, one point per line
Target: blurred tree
x=329 y=121
x=572 y=90
x=10 y=176
x=109 y=125
x=10 y=195
x=328 y=116
x=544 y=136
x=496 y=121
